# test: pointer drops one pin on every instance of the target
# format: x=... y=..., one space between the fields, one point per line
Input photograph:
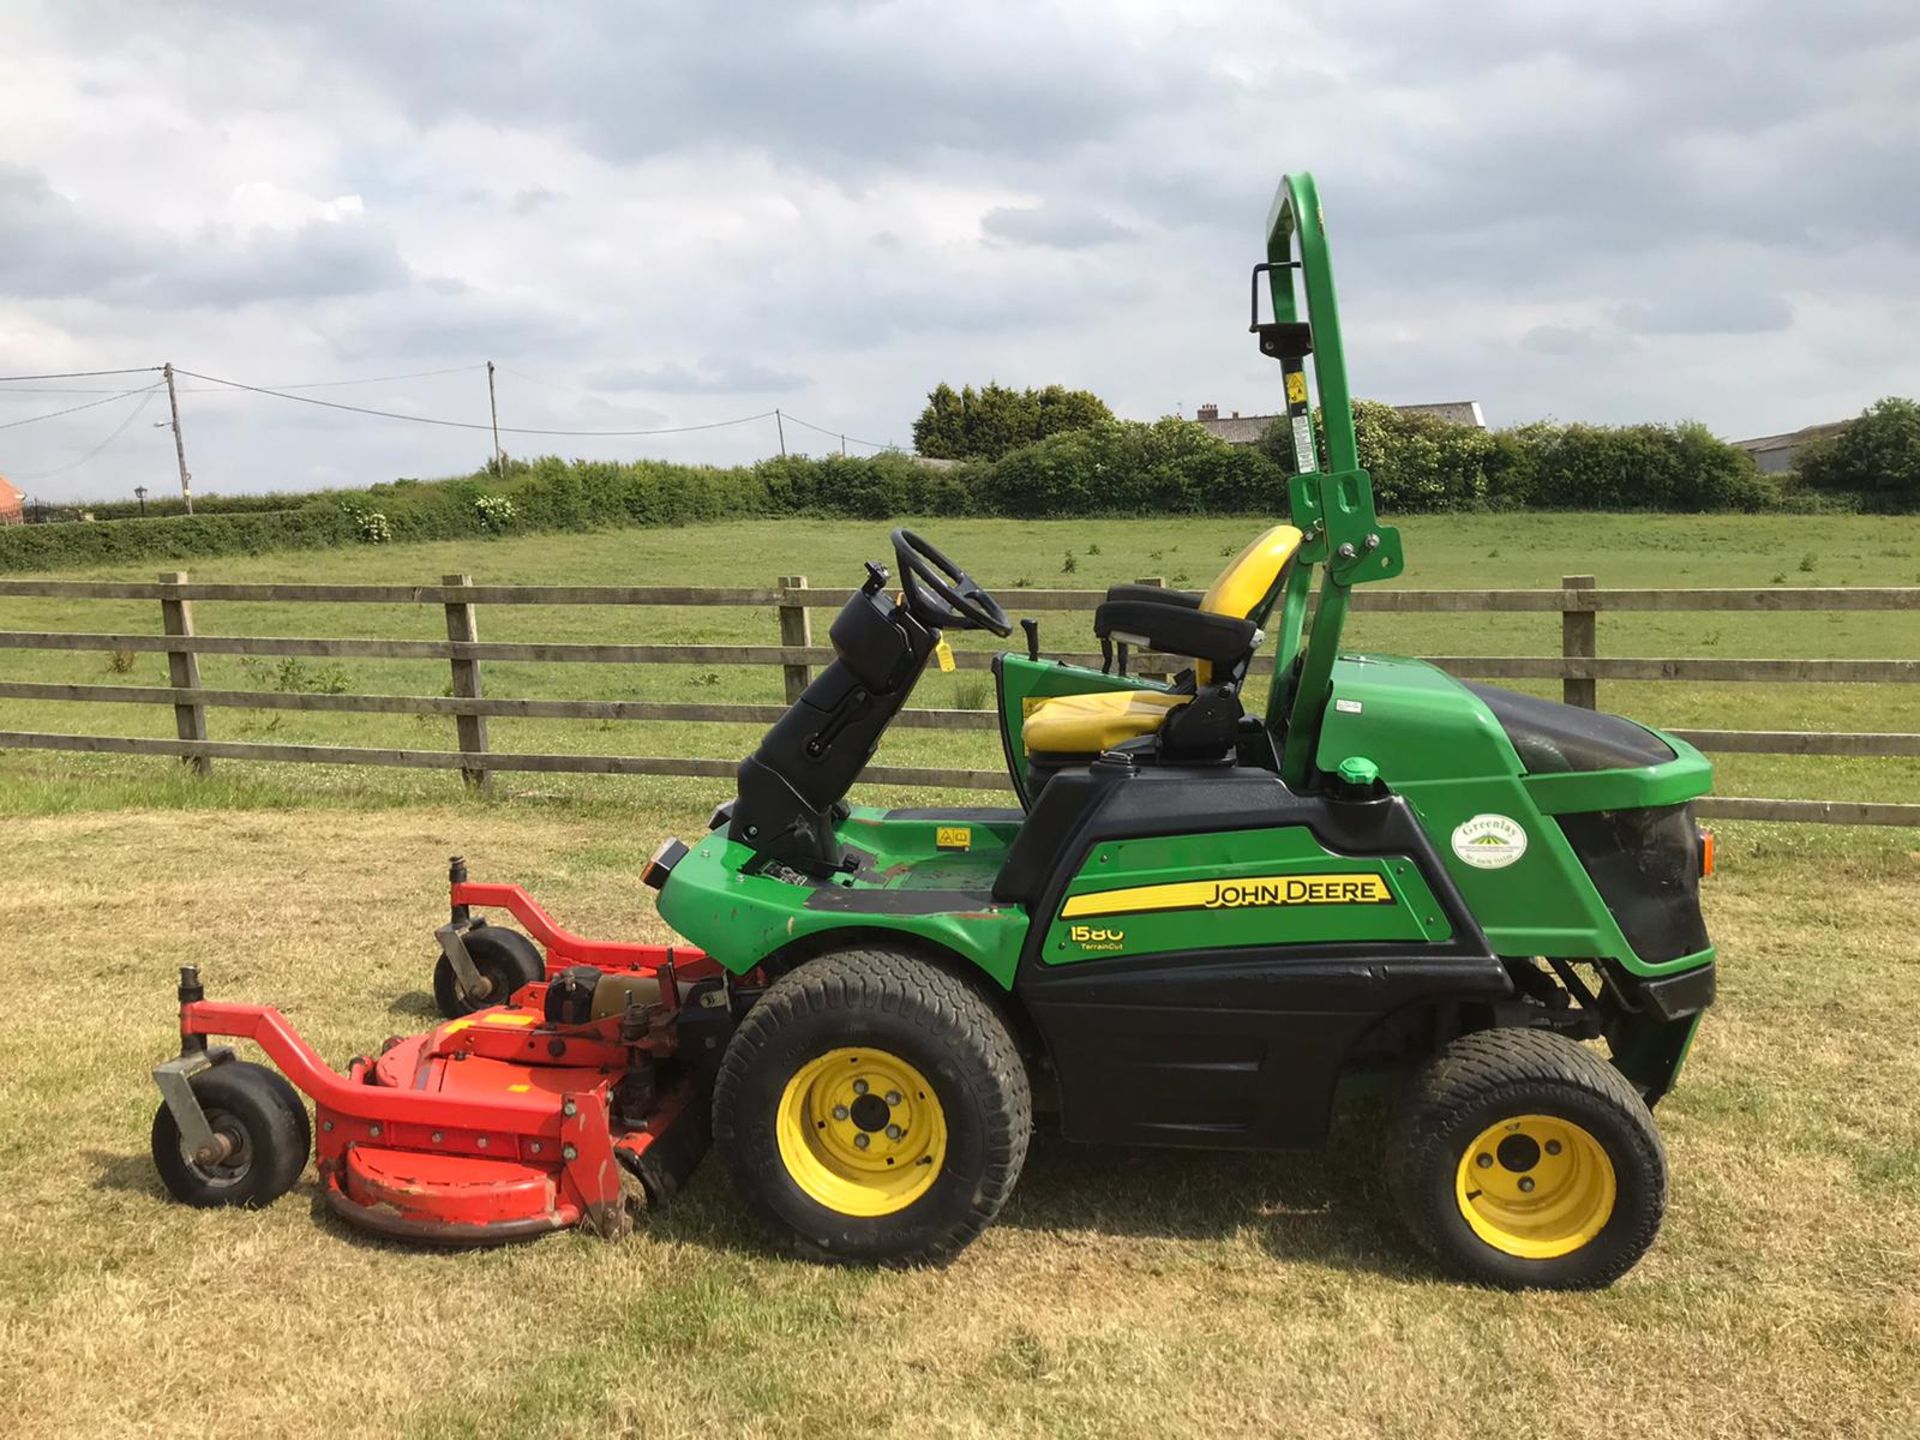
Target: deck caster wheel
x=263 y=1134
x=872 y=1109
x=506 y=960
x=1523 y=1160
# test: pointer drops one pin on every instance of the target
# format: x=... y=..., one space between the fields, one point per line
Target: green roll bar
x=1332 y=507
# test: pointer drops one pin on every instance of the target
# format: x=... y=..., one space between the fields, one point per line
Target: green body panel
x=1205 y=883
x=1022 y=680
x=741 y=919
x=1437 y=744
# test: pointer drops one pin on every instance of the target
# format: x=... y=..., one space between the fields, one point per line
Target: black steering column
x=794 y=786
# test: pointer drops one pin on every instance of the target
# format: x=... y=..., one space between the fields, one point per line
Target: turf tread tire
x=1470 y=1084
x=884 y=997
x=279 y=1134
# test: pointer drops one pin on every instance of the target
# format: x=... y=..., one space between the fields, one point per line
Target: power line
x=117 y=431
x=59 y=390
x=73 y=409
x=214 y=390
x=468 y=424
x=370 y=380
x=85 y=374
x=835 y=434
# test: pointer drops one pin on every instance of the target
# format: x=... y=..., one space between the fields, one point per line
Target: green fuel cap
x=1359 y=771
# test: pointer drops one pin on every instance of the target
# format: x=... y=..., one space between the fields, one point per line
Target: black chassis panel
x=1234 y=1048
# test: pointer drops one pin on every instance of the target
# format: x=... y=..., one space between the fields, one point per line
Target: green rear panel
x=1438 y=745
x=1236 y=888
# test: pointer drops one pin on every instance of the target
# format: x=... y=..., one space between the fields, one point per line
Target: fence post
x=1578 y=631
x=183 y=670
x=796 y=628
x=462 y=626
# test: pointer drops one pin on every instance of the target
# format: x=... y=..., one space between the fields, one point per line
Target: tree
x=1875 y=459
x=985 y=424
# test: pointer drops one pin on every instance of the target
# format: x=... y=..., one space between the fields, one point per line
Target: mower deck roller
x=1200 y=923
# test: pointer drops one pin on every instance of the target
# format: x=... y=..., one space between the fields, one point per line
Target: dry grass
x=1123 y=1293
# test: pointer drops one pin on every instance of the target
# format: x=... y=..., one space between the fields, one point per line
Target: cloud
x=50 y=249
x=532 y=198
x=1708 y=314
x=713 y=376
x=1611 y=213
x=1057 y=227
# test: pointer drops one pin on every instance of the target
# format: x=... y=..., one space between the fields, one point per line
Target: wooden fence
x=1579 y=667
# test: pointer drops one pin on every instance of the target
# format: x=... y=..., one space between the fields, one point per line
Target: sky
x=654 y=216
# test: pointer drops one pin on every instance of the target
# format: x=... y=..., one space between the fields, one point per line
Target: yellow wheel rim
x=1535 y=1186
x=861 y=1131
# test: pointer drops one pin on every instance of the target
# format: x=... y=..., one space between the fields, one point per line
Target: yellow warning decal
x=944 y=653
x=953 y=837
x=1297 y=387
x=1256 y=890
x=508 y=1019
x=519 y=1089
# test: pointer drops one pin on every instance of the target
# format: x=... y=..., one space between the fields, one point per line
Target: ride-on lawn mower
x=1198 y=924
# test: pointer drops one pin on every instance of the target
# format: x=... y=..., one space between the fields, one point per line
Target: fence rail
x=1578 y=667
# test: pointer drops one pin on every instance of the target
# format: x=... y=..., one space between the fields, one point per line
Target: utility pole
x=179 y=445
x=781 y=426
x=493 y=408
x=140 y=494
x=843 y=447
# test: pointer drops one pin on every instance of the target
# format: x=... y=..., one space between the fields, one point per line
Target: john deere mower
x=1204 y=917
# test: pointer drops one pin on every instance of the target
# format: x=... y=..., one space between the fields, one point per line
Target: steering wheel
x=940 y=593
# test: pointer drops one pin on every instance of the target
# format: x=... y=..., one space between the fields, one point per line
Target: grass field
x=1122 y=1294
x=1444 y=552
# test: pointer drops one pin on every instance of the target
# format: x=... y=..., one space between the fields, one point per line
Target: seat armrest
x=1221 y=639
x=1158 y=594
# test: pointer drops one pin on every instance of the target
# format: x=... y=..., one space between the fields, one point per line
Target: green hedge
x=1873 y=464
x=1420 y=463
x=1112 y=467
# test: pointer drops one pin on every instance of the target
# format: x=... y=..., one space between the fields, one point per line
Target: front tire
x=506 y=960
x=262 y=1119
x=872 y=1109
x=1523 y=1160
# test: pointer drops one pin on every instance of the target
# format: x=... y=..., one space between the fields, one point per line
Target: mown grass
x=1471 y=551
x=1123 y=1293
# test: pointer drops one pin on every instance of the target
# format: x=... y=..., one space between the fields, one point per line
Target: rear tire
x=262 y=1115
x=505 y=958
x=1523 y=1160
x=872 y=1109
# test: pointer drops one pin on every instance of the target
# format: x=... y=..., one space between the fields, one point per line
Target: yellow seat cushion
x=1088 y=724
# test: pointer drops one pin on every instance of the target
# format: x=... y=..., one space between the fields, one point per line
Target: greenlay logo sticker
x=1489 y=842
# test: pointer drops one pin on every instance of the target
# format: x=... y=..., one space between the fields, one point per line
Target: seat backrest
x=1251 y=575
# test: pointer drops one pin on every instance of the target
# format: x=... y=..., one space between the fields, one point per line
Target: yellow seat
x=1088 y=724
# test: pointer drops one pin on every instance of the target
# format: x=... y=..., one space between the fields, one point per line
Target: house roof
x=1458 y=412
x=1793 y=439
x=10 y=491
x=1239 y=429
x=1246 y=429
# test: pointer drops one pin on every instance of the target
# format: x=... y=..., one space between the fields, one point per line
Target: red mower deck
x=514 y=1121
